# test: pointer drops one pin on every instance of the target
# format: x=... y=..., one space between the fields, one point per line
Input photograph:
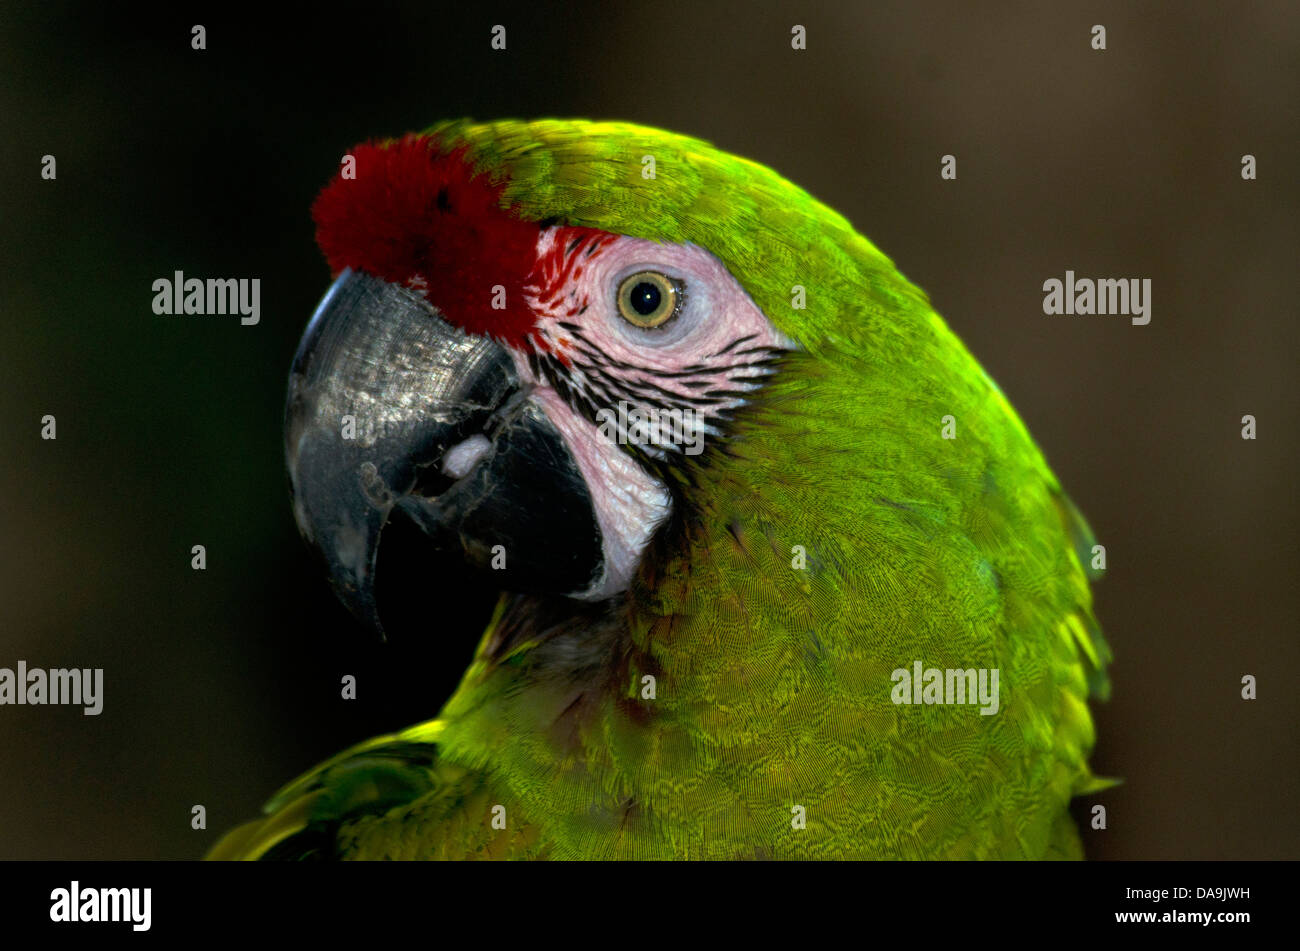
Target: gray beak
x=391 y=406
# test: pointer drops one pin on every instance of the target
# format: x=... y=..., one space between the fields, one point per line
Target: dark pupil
x=645 y=298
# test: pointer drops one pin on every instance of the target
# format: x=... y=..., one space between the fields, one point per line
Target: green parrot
x=784 y=574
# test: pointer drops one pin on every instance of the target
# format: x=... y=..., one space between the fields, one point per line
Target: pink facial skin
x=718 y=341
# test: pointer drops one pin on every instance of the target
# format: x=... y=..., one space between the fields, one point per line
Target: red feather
x=417 y=217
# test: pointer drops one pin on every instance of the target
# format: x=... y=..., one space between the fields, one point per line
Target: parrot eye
x=648 y=298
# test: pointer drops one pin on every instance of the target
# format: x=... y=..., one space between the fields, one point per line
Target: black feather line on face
x=735 y=343
x=595 y=381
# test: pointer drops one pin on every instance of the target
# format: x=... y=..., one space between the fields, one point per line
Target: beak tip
x=359 y=599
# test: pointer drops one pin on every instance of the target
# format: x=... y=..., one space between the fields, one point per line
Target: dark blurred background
x=221 y=685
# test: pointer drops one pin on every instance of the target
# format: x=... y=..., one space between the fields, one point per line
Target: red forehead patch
x=415 y=217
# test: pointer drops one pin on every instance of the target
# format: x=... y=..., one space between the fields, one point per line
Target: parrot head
x=532 y=393
x=733 y=476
